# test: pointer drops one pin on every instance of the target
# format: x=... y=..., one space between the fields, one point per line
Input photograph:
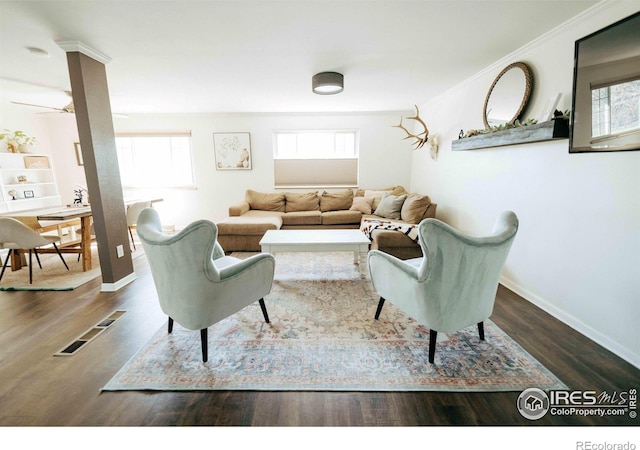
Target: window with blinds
x=318 y=158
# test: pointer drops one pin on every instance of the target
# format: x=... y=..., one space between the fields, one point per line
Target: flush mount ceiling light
x=327 y=83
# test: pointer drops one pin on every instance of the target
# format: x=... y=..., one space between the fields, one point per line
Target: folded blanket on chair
x=368 y=225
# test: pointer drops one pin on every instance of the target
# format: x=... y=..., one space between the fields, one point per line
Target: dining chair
x=15 y=236
x=133 y=211
x=454 y=284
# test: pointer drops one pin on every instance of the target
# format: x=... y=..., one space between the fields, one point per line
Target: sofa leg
x=204 y=341
x=264 y=310
x=380 y=305
x=432 y=345
x=170 y=325
x=481 y=330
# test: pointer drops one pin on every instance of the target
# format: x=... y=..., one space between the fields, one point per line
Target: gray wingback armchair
x=197 y=284
x=454 y=285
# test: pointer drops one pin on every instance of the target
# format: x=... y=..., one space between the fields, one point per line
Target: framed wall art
x=232 y=151
x=28 y=194
x=36 y=162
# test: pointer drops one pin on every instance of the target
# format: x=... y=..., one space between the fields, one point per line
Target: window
x=315 y=144
x=323 y=158
x=615 y=109
x=155 y=160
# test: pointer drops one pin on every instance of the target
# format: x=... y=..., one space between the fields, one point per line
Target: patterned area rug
x=323 y=337
x=54 y=276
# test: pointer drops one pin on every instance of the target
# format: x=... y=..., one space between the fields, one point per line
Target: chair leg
x=170 y=325
x=60 y=255
x=432 y=345
x=30 y=268
x=203 y=339
x=264 y=310
x=481 y=330
x=132 y=241
x=37 y=258
x=380 y=305
x=4 y=266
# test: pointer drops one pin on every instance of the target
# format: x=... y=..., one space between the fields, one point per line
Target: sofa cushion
x=390 y=206
x=239 y=208
x=362 y=204
x=343 y=217
x=414 y=207
x=388 y=238
x=250 y=223
x=336 y=201
x=264 y=201
x=302 y=218
x=308 y=201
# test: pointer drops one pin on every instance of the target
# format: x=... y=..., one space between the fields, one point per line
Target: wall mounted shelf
x=544 y=131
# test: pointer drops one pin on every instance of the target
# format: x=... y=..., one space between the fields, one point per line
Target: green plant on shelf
x=17 y=140
x=501 y=127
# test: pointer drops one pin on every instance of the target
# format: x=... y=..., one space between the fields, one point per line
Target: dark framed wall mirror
x=606 y=89
x=508 y=95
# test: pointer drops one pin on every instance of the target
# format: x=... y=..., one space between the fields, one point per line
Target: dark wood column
x=97 y=141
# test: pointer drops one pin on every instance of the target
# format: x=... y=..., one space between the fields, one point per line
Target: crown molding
x=77 y=46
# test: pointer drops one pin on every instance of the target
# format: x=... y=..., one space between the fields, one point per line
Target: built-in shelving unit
x=544 y=131
x=31 y=180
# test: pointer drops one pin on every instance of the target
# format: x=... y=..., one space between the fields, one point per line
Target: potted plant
x=17 y=141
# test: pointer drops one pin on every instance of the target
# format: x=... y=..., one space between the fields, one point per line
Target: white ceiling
x=259 y=56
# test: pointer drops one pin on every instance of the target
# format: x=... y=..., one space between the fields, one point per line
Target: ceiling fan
x=69 y=108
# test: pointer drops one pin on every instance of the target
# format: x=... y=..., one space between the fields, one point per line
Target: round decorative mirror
x=508 y=95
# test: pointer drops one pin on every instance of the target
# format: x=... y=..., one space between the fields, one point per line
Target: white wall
x=577 y=253
x=385 y=158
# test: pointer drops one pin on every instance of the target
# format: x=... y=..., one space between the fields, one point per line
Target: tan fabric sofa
x=249 y=219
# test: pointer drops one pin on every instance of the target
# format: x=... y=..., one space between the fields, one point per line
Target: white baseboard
x=596 y=336
x=112 y=287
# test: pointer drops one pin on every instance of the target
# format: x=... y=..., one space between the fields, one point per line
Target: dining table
x=64 y=216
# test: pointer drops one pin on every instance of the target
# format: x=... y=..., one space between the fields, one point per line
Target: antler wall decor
x=420 y=138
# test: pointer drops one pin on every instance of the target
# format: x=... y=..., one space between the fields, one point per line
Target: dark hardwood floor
x=38 y=389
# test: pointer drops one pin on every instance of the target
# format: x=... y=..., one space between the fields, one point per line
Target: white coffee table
x=350 y=240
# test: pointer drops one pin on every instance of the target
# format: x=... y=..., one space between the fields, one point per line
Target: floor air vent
x=90 y=334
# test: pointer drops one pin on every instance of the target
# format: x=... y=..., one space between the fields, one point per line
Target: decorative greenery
x=501 y=127
x=16 y=138
x=566 y=115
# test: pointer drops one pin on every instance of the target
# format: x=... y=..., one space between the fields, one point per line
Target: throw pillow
x=336 y=201
x=362 y=204
x=308 y=201
x=377 y=196
x=399 y=190
x=414 y=208
x=390 y=206
x=265 y=202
